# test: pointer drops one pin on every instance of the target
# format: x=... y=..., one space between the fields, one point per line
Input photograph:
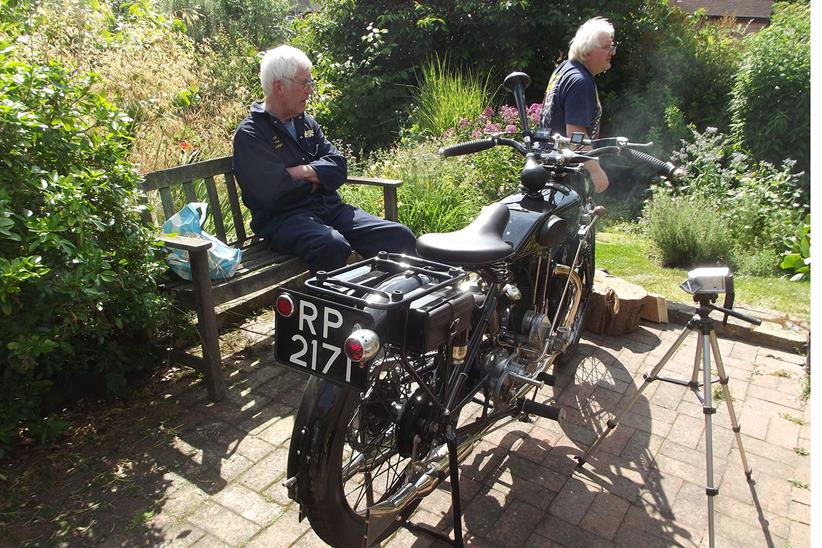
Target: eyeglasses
x=306 y=84
x=611 y=48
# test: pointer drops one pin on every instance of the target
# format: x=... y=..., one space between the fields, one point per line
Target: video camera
x=706 y=283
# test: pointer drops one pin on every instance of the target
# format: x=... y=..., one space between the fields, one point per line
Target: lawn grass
x=630 y=256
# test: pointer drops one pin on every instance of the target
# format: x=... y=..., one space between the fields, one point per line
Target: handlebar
x=566 y=160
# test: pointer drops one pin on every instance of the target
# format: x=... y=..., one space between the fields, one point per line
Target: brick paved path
x=645 y=486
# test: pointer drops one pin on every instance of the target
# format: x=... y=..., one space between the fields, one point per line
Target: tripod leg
x=708 y=410
x=723 y=381
x=649 y=378
x=694 y=384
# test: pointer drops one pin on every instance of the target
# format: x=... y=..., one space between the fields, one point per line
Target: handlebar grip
x=663 y=168
x=469 y=147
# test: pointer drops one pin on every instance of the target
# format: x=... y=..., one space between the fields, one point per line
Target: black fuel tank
x=551 y=220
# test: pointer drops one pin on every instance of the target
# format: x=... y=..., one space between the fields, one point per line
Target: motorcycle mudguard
x=320 y=408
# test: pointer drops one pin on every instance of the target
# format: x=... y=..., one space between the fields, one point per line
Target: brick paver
x=645 y=486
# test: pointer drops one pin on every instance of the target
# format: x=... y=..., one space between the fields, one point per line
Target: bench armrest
x=185 y=243
x=389 y=192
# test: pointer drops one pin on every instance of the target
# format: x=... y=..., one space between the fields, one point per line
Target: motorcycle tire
x=335 y=427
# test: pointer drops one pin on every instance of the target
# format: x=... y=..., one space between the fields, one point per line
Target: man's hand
x=598 y=176
x=303 y=173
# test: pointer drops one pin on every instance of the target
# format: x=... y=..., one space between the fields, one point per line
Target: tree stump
x=615 y=305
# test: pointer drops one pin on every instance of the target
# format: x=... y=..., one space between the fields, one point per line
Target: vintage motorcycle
x=414 y=359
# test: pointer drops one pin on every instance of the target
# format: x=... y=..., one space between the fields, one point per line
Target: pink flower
x=476 y=134
x=511 y=128
x=509 y=114
x=185 y=145
x=491 y=127
x=488 y=112
x=464 y=122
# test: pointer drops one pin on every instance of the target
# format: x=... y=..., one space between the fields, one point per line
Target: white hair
x=281 y=63
x=587 y=38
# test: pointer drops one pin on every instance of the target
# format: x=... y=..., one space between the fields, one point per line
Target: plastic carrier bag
x=223 y=259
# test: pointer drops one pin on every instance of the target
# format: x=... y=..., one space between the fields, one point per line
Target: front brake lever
x=569 y=155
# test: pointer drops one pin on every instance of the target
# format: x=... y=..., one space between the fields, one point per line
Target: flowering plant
x=503 y=120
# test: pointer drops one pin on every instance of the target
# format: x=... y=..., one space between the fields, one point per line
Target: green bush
x=761 y=205
x=77 y=265
x=772 y=89
x=687 y=232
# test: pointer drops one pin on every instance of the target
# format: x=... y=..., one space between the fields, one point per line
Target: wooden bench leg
x=207 y=325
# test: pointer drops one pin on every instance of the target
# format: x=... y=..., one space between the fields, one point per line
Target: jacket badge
x=277 y=142
x=309 y=133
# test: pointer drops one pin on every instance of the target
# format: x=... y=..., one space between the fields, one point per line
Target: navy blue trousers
x=325 y=240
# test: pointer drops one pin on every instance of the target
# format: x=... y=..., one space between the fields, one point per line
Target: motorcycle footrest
x=547 y=378
x=543 y=410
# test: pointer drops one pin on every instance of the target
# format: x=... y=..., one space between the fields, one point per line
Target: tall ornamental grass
x=447 y=95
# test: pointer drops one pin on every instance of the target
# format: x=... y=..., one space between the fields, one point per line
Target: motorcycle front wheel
x=351 y=450
x=585 y=271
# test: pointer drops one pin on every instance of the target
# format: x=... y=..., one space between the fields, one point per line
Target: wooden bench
x=212 y=181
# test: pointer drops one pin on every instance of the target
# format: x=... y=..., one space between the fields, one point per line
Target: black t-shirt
x=571 y=98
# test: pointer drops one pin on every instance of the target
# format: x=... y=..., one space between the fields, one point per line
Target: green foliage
x=760 y=204
x=370 y=52
x=77 y=265
x=670 y=70
x=261 y=23
x=772 y=89
x=438 y=195
x=676 y=72
x=798 y=258
x=687 y=232
x=445 y=96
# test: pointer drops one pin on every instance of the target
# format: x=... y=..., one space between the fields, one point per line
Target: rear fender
x=322 y=405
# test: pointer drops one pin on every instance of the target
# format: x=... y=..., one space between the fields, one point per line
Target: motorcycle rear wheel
x=353 y=458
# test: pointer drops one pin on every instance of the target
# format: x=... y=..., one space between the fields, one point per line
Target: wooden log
x=615 y=305
x=654 y=308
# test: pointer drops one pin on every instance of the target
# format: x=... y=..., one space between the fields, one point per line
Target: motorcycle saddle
x=478 y=243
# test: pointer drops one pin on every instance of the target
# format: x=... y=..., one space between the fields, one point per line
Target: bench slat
x=234 y=202
x=188 y=190
x=216 y=211
x=167 y=201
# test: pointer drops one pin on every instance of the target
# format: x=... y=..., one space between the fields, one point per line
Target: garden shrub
x=760 y=204
x=687 y=232
x=77 y=264
x=772 y=89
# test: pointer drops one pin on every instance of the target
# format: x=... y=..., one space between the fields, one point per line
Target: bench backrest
x=166 y=181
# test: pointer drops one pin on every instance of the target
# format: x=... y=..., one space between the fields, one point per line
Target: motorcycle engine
x=499 y=365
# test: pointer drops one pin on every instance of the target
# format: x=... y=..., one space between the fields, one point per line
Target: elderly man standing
x=571 y=101
x=289 y=174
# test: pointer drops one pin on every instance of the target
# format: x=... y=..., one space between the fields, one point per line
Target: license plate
x=312 y=339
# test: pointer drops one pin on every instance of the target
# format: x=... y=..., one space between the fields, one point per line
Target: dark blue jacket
x=263 y=149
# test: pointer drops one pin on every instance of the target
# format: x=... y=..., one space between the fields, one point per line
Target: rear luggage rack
x=349 y=282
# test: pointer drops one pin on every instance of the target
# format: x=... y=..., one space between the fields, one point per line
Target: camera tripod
x=707 y=342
